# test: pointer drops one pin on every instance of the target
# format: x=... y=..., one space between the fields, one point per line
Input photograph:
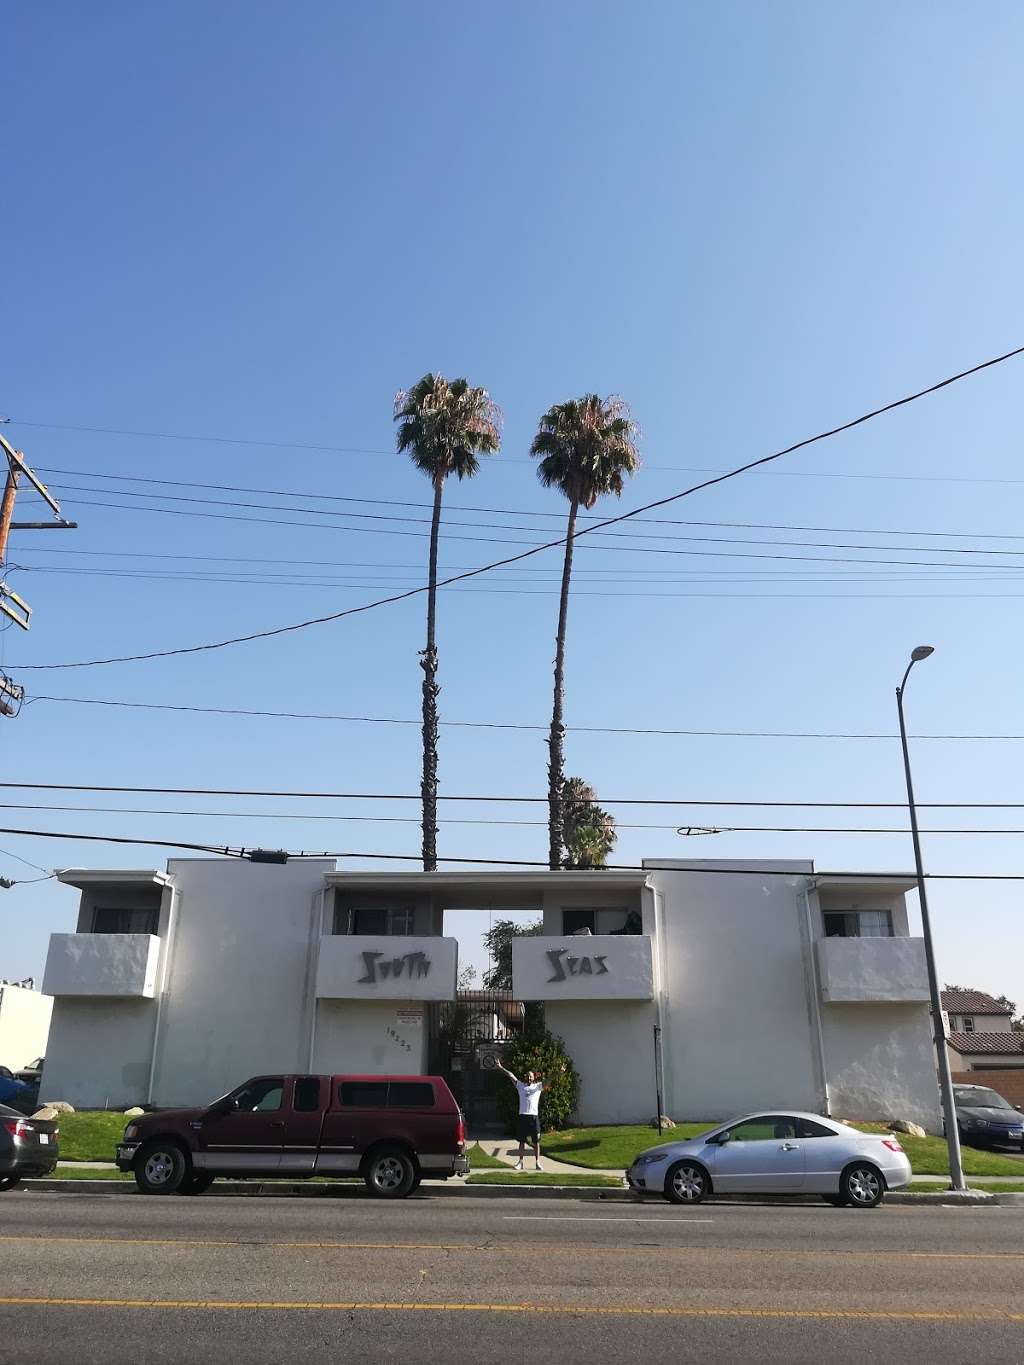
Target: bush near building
x=539 y=1051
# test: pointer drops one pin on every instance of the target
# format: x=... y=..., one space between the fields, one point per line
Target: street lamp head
x=922 y=652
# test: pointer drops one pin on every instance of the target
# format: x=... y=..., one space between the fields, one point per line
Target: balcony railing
x=872 y=971
x=386 y=967
x=102 y=965
x=583 y=967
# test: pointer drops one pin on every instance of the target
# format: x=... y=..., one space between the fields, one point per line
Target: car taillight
x=460 y=1132
x=893 y=1144
x=18 y=1127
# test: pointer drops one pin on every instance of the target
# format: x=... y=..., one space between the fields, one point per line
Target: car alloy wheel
x=863 y=1187
x=161 y=1168
x=686 y=1183
x=390 y=1174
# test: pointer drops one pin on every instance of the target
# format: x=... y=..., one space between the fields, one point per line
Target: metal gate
x=467 y=1037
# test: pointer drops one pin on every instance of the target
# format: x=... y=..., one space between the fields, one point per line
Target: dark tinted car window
x=806 y=1129
x=411 y=1095
x=363 y=1094
x=307 y=1094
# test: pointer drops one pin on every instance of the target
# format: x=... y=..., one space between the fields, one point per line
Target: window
x=858 y=924
x=806 y=1129
x=260 y=1097
x=363 y=1094
x=968 y=1023
x=111 y=920
x=575 y=920
x=374 y=919
x=766 y=1128
x=411 y=1095
x=307 y=1095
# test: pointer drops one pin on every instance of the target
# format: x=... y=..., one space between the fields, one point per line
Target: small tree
x=498 y=941
x=467 y=977
x=588 y=831
x=540 y=1051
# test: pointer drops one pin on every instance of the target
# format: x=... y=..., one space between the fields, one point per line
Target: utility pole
x=11 y=605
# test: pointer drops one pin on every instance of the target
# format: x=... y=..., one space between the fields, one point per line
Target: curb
x=945 y=1199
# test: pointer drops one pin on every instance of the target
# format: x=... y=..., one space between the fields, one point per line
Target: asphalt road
x=85 y=1277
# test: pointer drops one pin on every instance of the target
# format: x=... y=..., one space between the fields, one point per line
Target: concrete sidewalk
x=506 y=1150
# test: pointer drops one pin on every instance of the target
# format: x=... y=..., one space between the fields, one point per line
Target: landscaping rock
x=52 y=1108
x=134 y=1112
x=905 y=1126
x=665 y=1122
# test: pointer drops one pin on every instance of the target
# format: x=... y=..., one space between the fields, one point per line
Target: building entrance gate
x=467 y=1039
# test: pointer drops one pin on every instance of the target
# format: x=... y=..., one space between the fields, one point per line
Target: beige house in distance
x=979 y=1035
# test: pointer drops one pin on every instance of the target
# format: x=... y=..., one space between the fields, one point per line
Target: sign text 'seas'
x=566 y=964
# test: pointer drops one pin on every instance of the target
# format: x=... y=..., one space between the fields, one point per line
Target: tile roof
x=971 y=1002
x=969 y=1043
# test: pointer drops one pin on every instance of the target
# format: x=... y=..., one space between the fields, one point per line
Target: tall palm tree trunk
x=428 y=662
x=556 y=741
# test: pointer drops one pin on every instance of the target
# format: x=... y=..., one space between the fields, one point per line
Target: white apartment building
x=772 y=985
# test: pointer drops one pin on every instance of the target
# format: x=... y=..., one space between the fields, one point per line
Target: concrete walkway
x=506 y=1150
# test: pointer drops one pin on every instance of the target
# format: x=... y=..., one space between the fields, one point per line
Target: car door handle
x=276 y=1123
x=790 y=1147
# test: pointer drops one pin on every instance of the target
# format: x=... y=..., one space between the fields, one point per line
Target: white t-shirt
x=529 y=1097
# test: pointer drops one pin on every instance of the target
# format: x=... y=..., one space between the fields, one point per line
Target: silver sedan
x=779 y=1153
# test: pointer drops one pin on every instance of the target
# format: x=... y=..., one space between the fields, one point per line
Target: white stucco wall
x=879 y=970
x=612 y=1048
x=371 y=1036
x=588 y=967
x=881 y=1063
x=99 y=1052
x=365 y=967
x=102 y=964
x=24 y=1025
x=239 y=985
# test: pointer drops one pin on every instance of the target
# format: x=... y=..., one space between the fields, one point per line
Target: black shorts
x=528 y=1128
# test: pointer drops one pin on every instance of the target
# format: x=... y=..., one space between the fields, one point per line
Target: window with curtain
x=120 y=920
x=858 y=924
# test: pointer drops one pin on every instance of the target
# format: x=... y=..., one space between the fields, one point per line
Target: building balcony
x=583 y=967
x=102 y=965
x=882 y=971
x=388 y=967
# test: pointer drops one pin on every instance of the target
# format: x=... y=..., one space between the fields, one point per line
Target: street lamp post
x=956 y=1169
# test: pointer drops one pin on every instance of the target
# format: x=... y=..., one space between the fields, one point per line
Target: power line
x=625 y=516
x=519 y=862
x=687 y=831
x=8 y=854
x=517 y=800
x=508 y=725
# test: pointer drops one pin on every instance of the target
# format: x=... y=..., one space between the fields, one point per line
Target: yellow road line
x=673 y=1311
x=533 y=1250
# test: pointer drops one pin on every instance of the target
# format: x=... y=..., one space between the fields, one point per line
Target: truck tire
x=160 y=1168
x=8 y=1182
x=196 y=1182
x=390 y=1173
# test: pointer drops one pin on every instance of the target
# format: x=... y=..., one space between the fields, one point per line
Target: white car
x=778 y=1153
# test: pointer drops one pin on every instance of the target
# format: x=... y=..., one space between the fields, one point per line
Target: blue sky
x=257 y=222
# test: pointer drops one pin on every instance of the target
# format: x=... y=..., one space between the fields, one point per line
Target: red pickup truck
x=391 y=1130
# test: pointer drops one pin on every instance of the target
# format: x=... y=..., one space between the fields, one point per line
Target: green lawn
x=614 y=1147
x=992 y=1187
x=91 y=1135
x=90 y=1173
x=479 y=1160
x=510 y=1177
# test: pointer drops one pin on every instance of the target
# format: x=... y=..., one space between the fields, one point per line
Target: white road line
x=565 y=1218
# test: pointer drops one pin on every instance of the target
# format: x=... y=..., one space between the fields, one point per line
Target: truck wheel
x=198 y=1182
x=390 y=1173
x=160 y=1168
x=8 y=1182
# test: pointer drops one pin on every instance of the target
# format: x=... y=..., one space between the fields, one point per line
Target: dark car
x=391 y=1130
x=16 y=1093
x=985 y=1119
x=27 y=1147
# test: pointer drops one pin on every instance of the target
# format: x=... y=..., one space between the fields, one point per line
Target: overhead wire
x=625 y=516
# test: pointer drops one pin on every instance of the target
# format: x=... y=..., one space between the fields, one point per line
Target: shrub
x=540 y=1051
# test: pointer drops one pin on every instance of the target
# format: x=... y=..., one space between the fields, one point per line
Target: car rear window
x=363 y=1094
x=805 y=1128
x=411 y=1095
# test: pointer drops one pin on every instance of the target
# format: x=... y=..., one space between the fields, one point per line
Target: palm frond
x=586 y=447
x=444 y=425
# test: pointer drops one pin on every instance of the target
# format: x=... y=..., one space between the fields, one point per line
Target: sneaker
x=519 y=1165
x=537 y=1166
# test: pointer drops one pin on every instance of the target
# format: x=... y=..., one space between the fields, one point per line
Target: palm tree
x=588 y=831
x=444 y=425
x=587 y=447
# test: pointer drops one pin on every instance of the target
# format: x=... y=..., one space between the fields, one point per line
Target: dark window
x=575 y=920
x=374 y=919
x=411 y=1095
x=805 y=1128
x=363 y=1094
x=968 y=1024
x=260 y=1097
x=764 y=1129
x=858 y=924
x=307 y=1094
x=110 y=920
